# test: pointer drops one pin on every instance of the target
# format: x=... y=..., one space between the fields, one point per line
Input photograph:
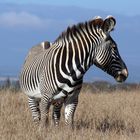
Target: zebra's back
x=36 y=50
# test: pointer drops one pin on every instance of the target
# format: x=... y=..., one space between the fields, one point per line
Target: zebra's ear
x=97 y=22
x=108 y=24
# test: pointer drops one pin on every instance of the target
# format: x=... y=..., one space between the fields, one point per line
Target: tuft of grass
x=113 y=116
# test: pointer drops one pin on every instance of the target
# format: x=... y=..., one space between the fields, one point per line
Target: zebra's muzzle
x=122 y=75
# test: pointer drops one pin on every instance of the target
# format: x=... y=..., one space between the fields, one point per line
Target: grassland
x=100 y=116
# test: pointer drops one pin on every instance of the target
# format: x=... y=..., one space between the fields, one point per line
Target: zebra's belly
x=34 y=93
x=59 y=96
x=37 y=94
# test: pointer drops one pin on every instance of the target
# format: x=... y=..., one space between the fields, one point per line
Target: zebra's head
x=107 y=56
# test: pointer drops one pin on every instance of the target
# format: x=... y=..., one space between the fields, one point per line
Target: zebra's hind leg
x=57 y=113
x=34 y=106
x=44 y=109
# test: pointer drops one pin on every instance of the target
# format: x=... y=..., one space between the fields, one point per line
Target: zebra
x=55 y=76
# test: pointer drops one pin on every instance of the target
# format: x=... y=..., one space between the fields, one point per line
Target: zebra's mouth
x=122 y=76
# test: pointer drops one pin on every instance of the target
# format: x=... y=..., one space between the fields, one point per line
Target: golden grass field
x=102 y=116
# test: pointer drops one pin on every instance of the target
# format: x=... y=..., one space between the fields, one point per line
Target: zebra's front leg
x=34 y=106
x=44 y=109
x=57 y=113
x=70 y=107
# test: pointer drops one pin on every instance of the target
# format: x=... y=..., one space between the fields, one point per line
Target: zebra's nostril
x=122 y=75
x=125 y=72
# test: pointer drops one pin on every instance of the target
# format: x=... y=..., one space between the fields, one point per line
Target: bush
x=10 y=84
x=100 y=86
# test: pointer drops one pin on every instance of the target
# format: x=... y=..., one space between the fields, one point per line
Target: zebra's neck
x=78 y=44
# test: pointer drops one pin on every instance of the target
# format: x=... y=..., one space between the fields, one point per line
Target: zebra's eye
x=114 y=46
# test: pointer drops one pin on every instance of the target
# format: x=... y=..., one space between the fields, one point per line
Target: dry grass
x=103 y=116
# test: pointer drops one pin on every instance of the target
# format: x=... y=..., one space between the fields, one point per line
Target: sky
x=127 y=7
x=25 y=23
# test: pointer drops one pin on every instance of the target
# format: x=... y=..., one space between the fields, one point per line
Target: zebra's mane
x=96 y=23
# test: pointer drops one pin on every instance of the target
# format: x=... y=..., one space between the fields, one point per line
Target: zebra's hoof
x=36 y=121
